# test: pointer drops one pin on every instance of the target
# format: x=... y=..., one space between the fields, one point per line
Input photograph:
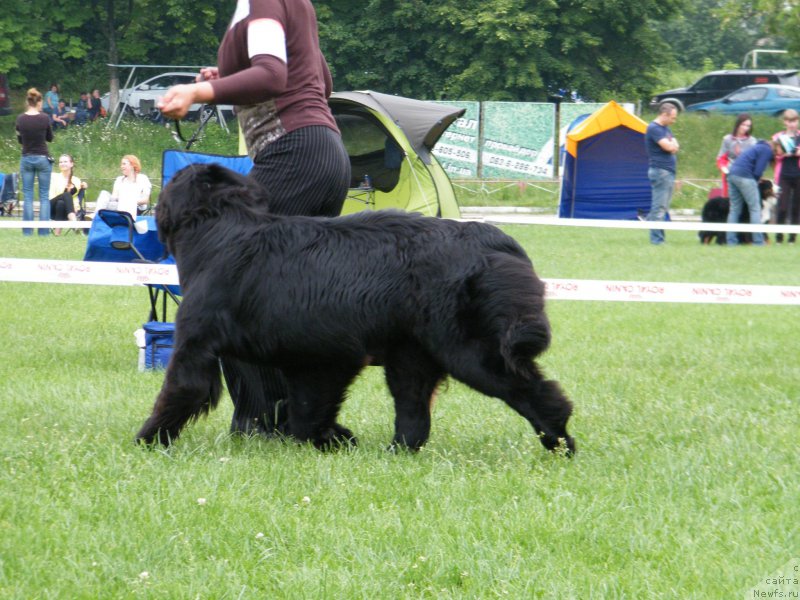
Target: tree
x=77 y=41
x=502 y=50
x=777 y=18
x=702 y=35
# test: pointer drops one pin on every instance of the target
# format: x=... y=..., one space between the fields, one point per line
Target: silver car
x=140 y=100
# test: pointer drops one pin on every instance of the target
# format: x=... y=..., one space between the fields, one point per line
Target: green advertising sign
x=517 y=140
x=457 y=149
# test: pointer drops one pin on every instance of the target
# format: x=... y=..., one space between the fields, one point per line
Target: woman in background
x=64 y=186
x=33 y=132
x=733 y=144
x=132 y=188
x=787 y=174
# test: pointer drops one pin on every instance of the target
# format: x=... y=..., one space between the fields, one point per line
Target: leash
x=177 y=134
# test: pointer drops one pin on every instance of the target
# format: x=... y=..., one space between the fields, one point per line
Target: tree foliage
x=779 y=19
x=442 y=49
x=706 y=33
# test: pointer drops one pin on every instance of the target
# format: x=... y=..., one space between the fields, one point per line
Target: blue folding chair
x=9 y=193
x=113 y=238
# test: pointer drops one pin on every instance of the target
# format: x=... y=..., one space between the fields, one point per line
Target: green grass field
x=684 y=485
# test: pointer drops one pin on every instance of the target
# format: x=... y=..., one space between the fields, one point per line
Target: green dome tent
x=389 y=140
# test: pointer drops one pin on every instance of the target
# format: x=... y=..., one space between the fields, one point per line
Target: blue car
x=768 y=98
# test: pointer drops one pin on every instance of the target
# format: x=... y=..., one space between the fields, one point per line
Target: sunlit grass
x=683 y=486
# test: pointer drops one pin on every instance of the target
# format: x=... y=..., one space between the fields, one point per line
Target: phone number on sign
x=516 y=165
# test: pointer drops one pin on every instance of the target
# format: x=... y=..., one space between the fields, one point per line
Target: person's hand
x=208 y=74
x=176 y=102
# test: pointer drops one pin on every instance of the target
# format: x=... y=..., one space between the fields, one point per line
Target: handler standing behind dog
x=743 y=185
x=661 y=148
x=271 y=67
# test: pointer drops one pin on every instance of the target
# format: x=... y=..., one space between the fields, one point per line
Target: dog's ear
x=199 y=193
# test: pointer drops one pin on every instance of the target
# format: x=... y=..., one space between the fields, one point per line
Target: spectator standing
x=743 y=185
x=733 y=144
x=661 y=148
x=33 y=132
x=271 y=67
x=787 y=174
x=51 y=100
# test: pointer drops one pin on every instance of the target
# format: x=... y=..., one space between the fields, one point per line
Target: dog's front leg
x=191 y=387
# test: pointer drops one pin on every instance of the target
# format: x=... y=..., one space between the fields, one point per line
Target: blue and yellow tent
x=605 y=170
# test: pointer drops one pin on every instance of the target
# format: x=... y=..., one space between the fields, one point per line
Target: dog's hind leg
x=315 y=396
x=540 y=401
x=191 y=387
x=412 y=376
x=546 y=408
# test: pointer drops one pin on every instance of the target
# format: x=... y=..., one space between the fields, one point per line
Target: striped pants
x=305 y=172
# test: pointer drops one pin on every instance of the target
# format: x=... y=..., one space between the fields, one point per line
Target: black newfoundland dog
x=321 y=298
x=717 y=207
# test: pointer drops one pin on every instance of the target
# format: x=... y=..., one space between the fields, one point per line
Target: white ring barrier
x=104 y=273
x=666 y=225
x=512 y=219
x=45 y=224
x=34 y=270
x=657 y=291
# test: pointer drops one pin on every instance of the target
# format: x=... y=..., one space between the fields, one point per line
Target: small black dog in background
x=716 y=210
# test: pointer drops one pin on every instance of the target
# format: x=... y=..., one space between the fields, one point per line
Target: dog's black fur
x=318 y=297
x=716 y=210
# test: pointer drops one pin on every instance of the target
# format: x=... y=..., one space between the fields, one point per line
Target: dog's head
x=765 y=188
x=200 y=194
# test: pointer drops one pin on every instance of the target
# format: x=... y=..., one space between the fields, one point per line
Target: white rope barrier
x=127 y=274
x=45 y=224
x=513 y=219
x=34 y=270
x=517 y=219
x=653 y=291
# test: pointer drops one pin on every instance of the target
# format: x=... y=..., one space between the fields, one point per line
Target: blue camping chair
x=9 y=193
x=113 y=238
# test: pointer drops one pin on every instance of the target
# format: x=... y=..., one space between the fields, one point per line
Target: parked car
x=771 y=99
x=5 y=99
x=717 y=84
x=140 y=100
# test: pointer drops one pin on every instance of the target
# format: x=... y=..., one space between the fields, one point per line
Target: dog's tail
x=508 y=299
x=523 y=340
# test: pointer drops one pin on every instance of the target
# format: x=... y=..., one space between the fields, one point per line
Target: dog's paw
x=399 y=447
x=151 y=436
x=561 y=446
x=335 y=436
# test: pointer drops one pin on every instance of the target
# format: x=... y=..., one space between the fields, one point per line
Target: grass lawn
x=684 y=485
